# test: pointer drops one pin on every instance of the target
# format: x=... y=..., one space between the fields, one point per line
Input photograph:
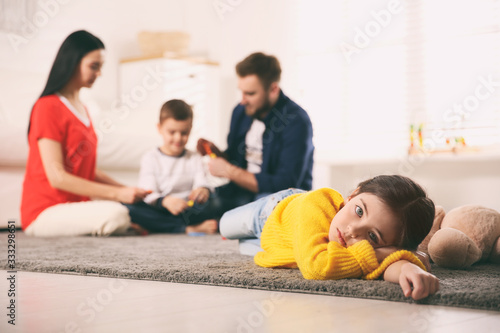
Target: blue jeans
x=246 y=222
x=159 y=219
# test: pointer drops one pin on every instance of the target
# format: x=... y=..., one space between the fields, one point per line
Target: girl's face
x=90 y=68
x=175 y=135
x=364 y=216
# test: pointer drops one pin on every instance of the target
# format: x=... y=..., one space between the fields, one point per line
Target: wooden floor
x=70 y=303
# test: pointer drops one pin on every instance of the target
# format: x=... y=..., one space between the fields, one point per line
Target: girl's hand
x=174 y=205
x=416 y=282
x=130 y=195
x=199 y=195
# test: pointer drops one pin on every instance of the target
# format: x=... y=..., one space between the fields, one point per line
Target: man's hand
x=219 y=167
x=174 y=205
x=416 y=282
x=200 y=147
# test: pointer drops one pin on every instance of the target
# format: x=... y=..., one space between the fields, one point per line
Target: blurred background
x=407 y=87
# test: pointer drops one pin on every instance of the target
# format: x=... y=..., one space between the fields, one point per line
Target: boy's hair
x=408 y=201
x=177 y=109
x=266 y=67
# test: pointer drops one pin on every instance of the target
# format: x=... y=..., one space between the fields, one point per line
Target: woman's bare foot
x=208 y=227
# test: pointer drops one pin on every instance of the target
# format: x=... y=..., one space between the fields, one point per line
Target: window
x=367 y=72
x=462 y=58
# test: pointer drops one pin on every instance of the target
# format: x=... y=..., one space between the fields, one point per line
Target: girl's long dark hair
x=71 y=52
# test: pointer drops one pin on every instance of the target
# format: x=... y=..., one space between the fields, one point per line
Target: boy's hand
x=422 y=283
x=199 y=195
x=174 y=205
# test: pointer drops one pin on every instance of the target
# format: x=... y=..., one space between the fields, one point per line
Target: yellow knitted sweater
x=296 y=235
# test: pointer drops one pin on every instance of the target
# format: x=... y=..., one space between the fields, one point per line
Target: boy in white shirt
x=176 y=178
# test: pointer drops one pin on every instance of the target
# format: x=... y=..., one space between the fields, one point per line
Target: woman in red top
x=61 y=174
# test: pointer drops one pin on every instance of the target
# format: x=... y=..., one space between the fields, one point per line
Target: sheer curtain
x=368 y=71
x=462 y=53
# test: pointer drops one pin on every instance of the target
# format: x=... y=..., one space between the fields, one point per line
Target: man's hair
x=177 y=109
x=266 y=67
x=409 y=203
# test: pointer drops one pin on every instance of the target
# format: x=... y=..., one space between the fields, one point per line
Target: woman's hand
x=174 y=205
x=130 y=195
x=416 y=282
x=199 y=195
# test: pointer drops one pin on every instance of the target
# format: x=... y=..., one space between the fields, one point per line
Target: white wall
x=450 y=182
x=271 y=26
x=222 y=36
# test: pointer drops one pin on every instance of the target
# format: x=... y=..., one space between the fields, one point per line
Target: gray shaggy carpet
x=210 y=260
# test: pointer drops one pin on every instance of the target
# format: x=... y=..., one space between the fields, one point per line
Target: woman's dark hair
x=408 y=201
x=71 y=52
x=266 y=67
x=177 y=109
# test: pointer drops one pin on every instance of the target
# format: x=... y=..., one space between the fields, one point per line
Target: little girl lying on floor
x=369 y=235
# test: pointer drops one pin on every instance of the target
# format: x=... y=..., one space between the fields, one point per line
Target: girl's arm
x=59 y=178
x=414 y=281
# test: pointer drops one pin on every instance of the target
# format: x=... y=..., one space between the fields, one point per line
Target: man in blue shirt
x=270 y=138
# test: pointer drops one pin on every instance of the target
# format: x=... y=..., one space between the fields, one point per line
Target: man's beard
x=262 y=112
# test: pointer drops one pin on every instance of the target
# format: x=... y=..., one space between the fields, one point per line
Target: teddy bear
x=463 y=236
